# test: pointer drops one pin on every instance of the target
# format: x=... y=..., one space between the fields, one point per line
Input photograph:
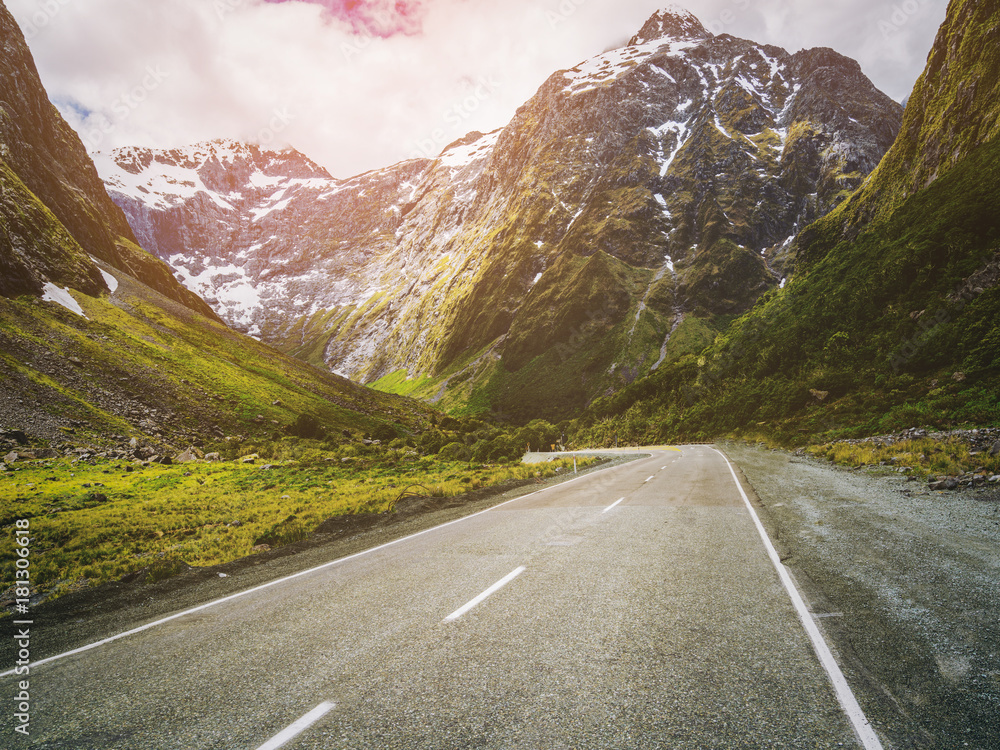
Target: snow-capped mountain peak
x=672 y=22
x=684 y=160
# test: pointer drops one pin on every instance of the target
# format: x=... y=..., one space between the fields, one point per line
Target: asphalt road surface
x=636 y=607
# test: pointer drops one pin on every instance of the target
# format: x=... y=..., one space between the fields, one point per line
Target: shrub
x=455 y=452
x=306 y=426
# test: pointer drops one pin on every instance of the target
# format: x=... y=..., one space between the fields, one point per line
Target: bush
x=455 y=452
x=306 y=426
x=385 y=433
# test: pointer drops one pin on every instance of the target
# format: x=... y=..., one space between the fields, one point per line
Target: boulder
x=945 y=484
x=213 y=457
x=191 y=454
x=995 y=450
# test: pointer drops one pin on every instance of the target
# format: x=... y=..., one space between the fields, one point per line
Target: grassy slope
x=954 y=108
x=580 y=319
x=898 y=327
x=141 y=351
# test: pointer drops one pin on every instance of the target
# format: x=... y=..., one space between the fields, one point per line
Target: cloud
x=383 y=18
x=359 y=84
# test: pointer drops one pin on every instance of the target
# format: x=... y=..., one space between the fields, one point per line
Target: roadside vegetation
x=923 y=457
x=99 y=520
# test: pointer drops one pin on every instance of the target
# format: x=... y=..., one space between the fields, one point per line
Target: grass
x=144 y=352
x=924 y=456
x=94 y=522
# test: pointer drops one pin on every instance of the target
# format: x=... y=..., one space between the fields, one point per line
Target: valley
x=262 y=428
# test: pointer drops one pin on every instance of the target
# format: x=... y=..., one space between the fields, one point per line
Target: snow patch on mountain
x=62 y=297
x=466 y=154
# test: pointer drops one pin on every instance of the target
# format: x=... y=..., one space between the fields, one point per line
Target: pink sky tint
x=383 y=18
x=361 y=84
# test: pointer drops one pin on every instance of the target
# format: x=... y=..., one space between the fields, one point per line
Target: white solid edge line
x=301 y=573
x=613 y=505
x=490 y=591
x=297 y=728
x=848 y=701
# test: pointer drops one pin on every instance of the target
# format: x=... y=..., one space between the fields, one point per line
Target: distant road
x=635 y=607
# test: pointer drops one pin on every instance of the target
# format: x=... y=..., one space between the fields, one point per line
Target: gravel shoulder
x=905 y=583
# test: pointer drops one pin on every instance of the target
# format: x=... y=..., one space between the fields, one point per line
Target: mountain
x=892 y=320
x=99 y=343
x=216 y=197
x=55 y=216
x=948 y=117
x=633 y=206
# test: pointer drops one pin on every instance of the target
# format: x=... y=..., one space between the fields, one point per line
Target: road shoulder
x=903 y=585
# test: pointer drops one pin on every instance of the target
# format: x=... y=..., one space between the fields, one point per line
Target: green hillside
x=897 y=328
x=141 y=365
x=893 y=318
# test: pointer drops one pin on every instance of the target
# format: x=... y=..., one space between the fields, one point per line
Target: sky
x=361 y=84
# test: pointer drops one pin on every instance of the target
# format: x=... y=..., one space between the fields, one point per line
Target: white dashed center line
x=614 y=504
x=491 y=590
x=287 y=735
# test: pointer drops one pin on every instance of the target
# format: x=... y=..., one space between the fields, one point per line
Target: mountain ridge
x=892 y=321
x=690 y=161
x=46 y=172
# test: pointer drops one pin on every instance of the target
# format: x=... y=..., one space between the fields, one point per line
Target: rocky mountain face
x=266 y=237
x=953 y=110
x=629 y=208
x=894 y=318
x=55 y=216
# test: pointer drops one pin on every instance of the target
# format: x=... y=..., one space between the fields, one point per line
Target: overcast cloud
x=360 y=84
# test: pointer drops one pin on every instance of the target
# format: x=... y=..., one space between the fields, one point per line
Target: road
x=632 y=608
x=910 y=579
